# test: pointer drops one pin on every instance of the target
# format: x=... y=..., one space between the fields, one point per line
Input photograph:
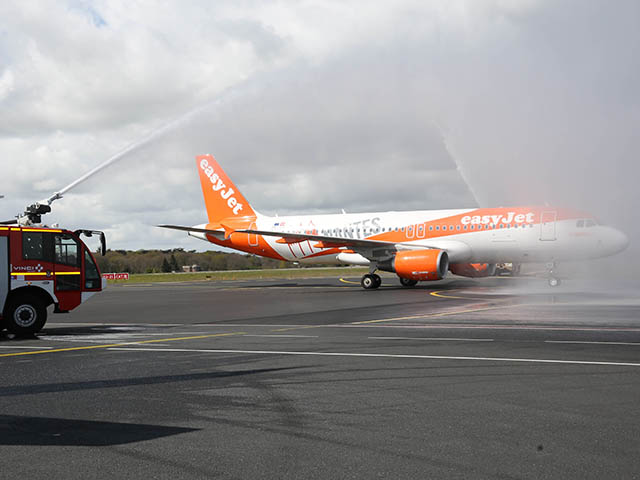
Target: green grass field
x=241 y=275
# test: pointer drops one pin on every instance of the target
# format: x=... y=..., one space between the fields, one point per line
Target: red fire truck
x=42 y=266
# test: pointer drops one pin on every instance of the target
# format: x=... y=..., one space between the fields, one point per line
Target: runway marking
x=283 y=336
x=446 y=339
x=439 y=295
x=432 y=315
x=468 y=326
x=298 y=327
x=592 y=343
x=386 y=355
x=93 y=347
x=33 y=346
x=343 y=280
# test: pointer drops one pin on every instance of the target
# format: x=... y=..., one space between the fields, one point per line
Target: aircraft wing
x=366 y=247
x=286 y=237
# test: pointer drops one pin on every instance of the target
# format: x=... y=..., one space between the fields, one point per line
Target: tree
x=173 y=263
x=166 y=268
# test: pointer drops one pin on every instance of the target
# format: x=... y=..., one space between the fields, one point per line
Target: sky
x=317 y=106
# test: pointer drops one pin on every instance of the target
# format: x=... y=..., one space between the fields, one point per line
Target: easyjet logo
x=510 y=217
x=218 y=185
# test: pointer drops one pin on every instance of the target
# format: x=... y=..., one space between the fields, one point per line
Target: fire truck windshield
x=91 y=274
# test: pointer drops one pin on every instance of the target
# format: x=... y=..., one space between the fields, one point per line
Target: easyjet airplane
x=418 y=245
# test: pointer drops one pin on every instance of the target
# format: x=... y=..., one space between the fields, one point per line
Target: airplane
x=416 y=245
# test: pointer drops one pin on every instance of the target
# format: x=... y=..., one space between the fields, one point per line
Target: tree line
x=158 y=261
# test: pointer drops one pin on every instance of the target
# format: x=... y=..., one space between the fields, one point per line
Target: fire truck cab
x=42 y=266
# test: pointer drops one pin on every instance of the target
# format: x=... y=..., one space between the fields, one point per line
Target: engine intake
x=418 y=264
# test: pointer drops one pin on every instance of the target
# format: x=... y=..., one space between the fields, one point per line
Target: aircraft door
x=548 y=226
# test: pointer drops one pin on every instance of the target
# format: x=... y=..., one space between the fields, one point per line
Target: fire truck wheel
x=26 y=315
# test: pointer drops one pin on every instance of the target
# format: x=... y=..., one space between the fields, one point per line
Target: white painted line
x=36 y=347
x=458 y=326
x=386 y=355
x=266 y=325
x=591 y=343
x=284 y=336
x=436 y=339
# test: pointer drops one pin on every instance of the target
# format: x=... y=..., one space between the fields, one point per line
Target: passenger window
x=437 y=227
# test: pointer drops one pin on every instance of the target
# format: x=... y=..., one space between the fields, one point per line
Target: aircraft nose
x=619 y=240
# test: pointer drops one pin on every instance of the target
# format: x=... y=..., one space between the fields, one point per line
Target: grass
x=240 y=275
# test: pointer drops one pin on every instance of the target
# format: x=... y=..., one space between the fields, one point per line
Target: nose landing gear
x=553 y=280
x=370 y=281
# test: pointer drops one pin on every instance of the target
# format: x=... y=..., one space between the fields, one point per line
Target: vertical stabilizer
x=221 y=197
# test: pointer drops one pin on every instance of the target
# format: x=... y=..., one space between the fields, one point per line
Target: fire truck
x=42 y=266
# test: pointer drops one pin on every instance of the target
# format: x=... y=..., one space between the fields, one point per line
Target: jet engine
x=418 y=264
x=473 y=270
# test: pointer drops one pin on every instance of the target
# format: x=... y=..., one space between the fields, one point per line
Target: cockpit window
x=580 y=223
x=589 y=223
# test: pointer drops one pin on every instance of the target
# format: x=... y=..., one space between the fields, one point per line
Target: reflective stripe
x=41 y=230
x=44 y=273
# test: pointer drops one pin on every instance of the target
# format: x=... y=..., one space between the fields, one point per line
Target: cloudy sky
x=314 y=106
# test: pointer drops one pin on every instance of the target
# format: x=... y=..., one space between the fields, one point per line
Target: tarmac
x=486 y=378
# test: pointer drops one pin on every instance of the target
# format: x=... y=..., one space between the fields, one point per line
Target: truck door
x=4 y=270
x=548 y=226
x=67 y=265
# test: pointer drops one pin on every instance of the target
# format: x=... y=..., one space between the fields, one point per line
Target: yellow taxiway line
x=93 y=347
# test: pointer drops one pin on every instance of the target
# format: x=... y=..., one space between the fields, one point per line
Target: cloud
x=314 y=107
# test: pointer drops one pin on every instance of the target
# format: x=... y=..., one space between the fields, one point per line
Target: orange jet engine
x=418 y=264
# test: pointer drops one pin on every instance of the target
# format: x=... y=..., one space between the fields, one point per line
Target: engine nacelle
x=473 y=270
x=418 y=264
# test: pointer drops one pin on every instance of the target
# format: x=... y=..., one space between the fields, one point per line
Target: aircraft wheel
x=554 y=282
x=407 y=282
x=370 y=281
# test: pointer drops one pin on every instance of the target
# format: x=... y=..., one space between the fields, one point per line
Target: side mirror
x=103 y=244
x=103 y=239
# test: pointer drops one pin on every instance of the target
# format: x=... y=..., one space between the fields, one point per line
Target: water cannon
x=34 y=212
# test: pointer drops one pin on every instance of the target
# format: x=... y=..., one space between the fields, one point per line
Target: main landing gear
x=407 y=282
x=370 y=281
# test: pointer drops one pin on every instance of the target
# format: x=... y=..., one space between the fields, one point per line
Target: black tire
x=25 y=315
x=369 y=281
x=407 y=282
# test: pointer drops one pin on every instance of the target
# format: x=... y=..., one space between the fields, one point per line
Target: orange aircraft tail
x=225 y=204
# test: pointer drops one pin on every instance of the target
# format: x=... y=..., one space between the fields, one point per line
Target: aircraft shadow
x=19 y=430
